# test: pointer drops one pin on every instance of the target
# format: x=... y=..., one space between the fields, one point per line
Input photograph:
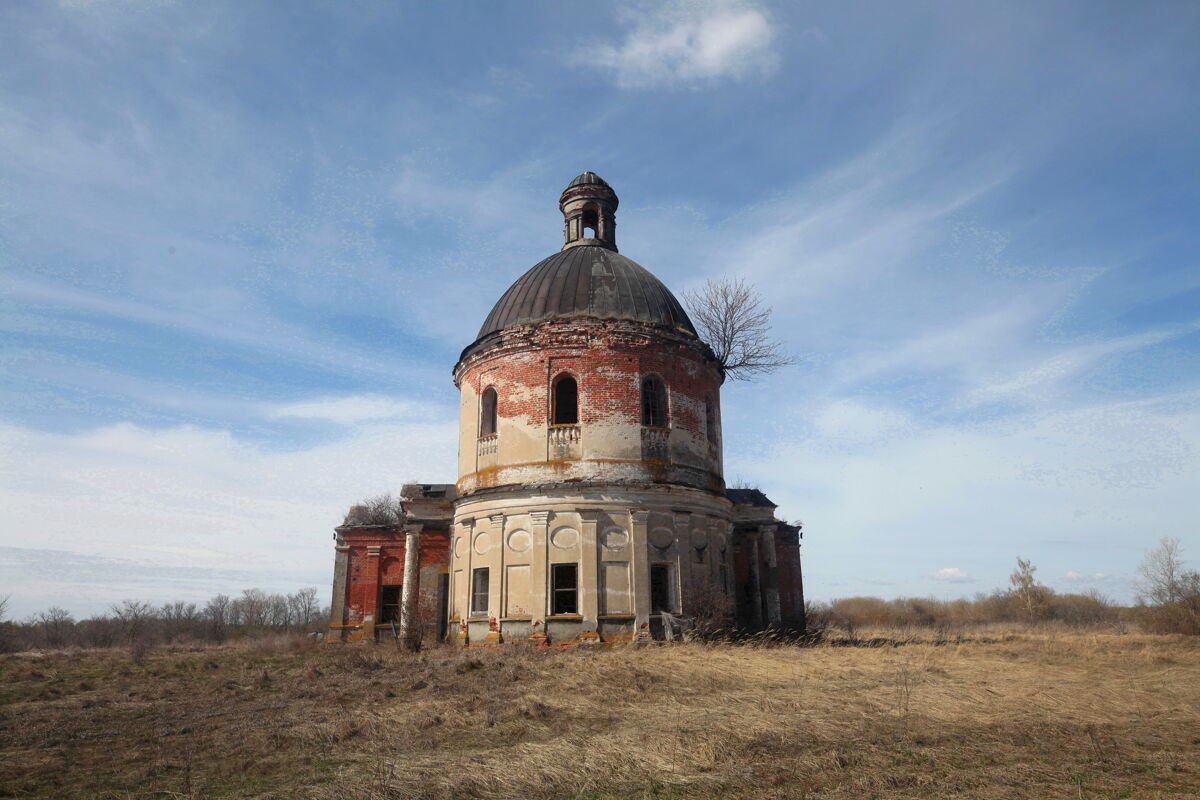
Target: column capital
x=413 y=527
x=497 y=519
x=640 y=517
x=467 y=522
x=540 y=517
x=590 y=516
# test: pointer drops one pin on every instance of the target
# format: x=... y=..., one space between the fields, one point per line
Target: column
x=770 y=575
x=538 y=576
x=640 y=583
x=589 y=576
x=337 y=605
x=410 y=622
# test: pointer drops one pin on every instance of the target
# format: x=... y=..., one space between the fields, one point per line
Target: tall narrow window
x=591 y=223
x=389 y=604
x=487 y=412
x=660 y=589
x=566 y=401
x=564 y=589
x=479 y=592
x=654 y=402
x=710 y=419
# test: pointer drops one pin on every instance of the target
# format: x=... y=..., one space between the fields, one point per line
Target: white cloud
x=350 y=410
x=953 y=575
x=690 y=44
x=142 y=505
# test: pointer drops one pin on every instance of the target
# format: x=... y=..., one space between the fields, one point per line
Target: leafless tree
x=305 y=608
x=1032 y=596
x=382 y=509
x=1160 y=571
x=731 y=317
x=56 y=625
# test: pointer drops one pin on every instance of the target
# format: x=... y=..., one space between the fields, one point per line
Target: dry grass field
x=1003 y=715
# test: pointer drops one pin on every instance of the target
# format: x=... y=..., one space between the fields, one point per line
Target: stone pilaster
x=589 y=576
x=496 y=579
x=639 y=520
x=371 y=593
x=539 y=574
x=683 y=561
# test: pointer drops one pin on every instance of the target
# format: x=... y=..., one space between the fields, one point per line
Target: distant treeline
x=134 y=622
x=1168 y=602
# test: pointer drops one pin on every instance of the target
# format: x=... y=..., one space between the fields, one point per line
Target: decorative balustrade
x=654 y=444
x=563 y=441
x=486 y=445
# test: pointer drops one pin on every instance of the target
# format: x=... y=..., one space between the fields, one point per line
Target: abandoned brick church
x=590 y=504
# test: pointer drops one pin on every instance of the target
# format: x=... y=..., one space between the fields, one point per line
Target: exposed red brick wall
x=365 y=574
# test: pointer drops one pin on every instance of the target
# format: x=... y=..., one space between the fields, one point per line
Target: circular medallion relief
x=519 y=541
x=614 y=539
x=483 y=543
x=699 y=538
x=564 y=538
x=662 y=537
x=460 y=549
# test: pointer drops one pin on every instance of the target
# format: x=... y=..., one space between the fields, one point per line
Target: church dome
x=589 y=278
x=588 y=281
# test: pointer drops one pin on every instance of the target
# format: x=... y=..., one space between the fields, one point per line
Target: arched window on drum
x=565 y=401
x=487 y=412
x=654 y=402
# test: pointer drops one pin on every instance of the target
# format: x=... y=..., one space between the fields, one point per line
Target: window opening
x=566 y=401
x=487 y=412
x=710 y=419
x=654 y=402
x=660 y=589
x=564 y=589
x=479 y=592
x=389 y=604
x=590 y=223
x=724 y=580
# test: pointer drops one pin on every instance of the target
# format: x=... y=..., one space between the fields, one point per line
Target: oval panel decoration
x=564 y=538
x=662 y=538
x=460 y=549
x=483 y=543
x=699 y=538
x=519 y=541
x=614 y=539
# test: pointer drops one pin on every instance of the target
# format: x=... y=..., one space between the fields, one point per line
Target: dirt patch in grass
x=1013 y=716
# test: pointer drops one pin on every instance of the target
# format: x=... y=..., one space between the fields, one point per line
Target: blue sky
x=241 y=246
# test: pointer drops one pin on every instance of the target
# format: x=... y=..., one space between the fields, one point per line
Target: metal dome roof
x=588 y=179
x=588 y=281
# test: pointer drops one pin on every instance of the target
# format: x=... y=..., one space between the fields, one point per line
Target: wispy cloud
x=689 y=44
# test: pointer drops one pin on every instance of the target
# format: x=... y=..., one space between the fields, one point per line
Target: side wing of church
x=590 y=504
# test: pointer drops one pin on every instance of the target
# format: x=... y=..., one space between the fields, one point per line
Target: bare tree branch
x=730 y=316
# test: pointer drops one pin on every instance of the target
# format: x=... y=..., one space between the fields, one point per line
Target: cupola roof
x=588 y=281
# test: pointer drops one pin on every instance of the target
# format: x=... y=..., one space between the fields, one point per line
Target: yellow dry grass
x=1014 y=715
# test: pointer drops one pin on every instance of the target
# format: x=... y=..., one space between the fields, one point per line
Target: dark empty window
x=389 y=604
x=660 y=589
x=566 y=401
x=487 y=412
x=654 y=402
x=710 y=418
x=590 y=223
x=564 y=589
x=479 y=592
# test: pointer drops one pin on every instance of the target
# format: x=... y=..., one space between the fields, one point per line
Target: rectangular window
x=479 y=592
x=564 y=589
x=660 y=589
x=389 y=604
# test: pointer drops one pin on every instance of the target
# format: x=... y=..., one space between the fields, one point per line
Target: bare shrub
x=381 y=509
x=1169 y=594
